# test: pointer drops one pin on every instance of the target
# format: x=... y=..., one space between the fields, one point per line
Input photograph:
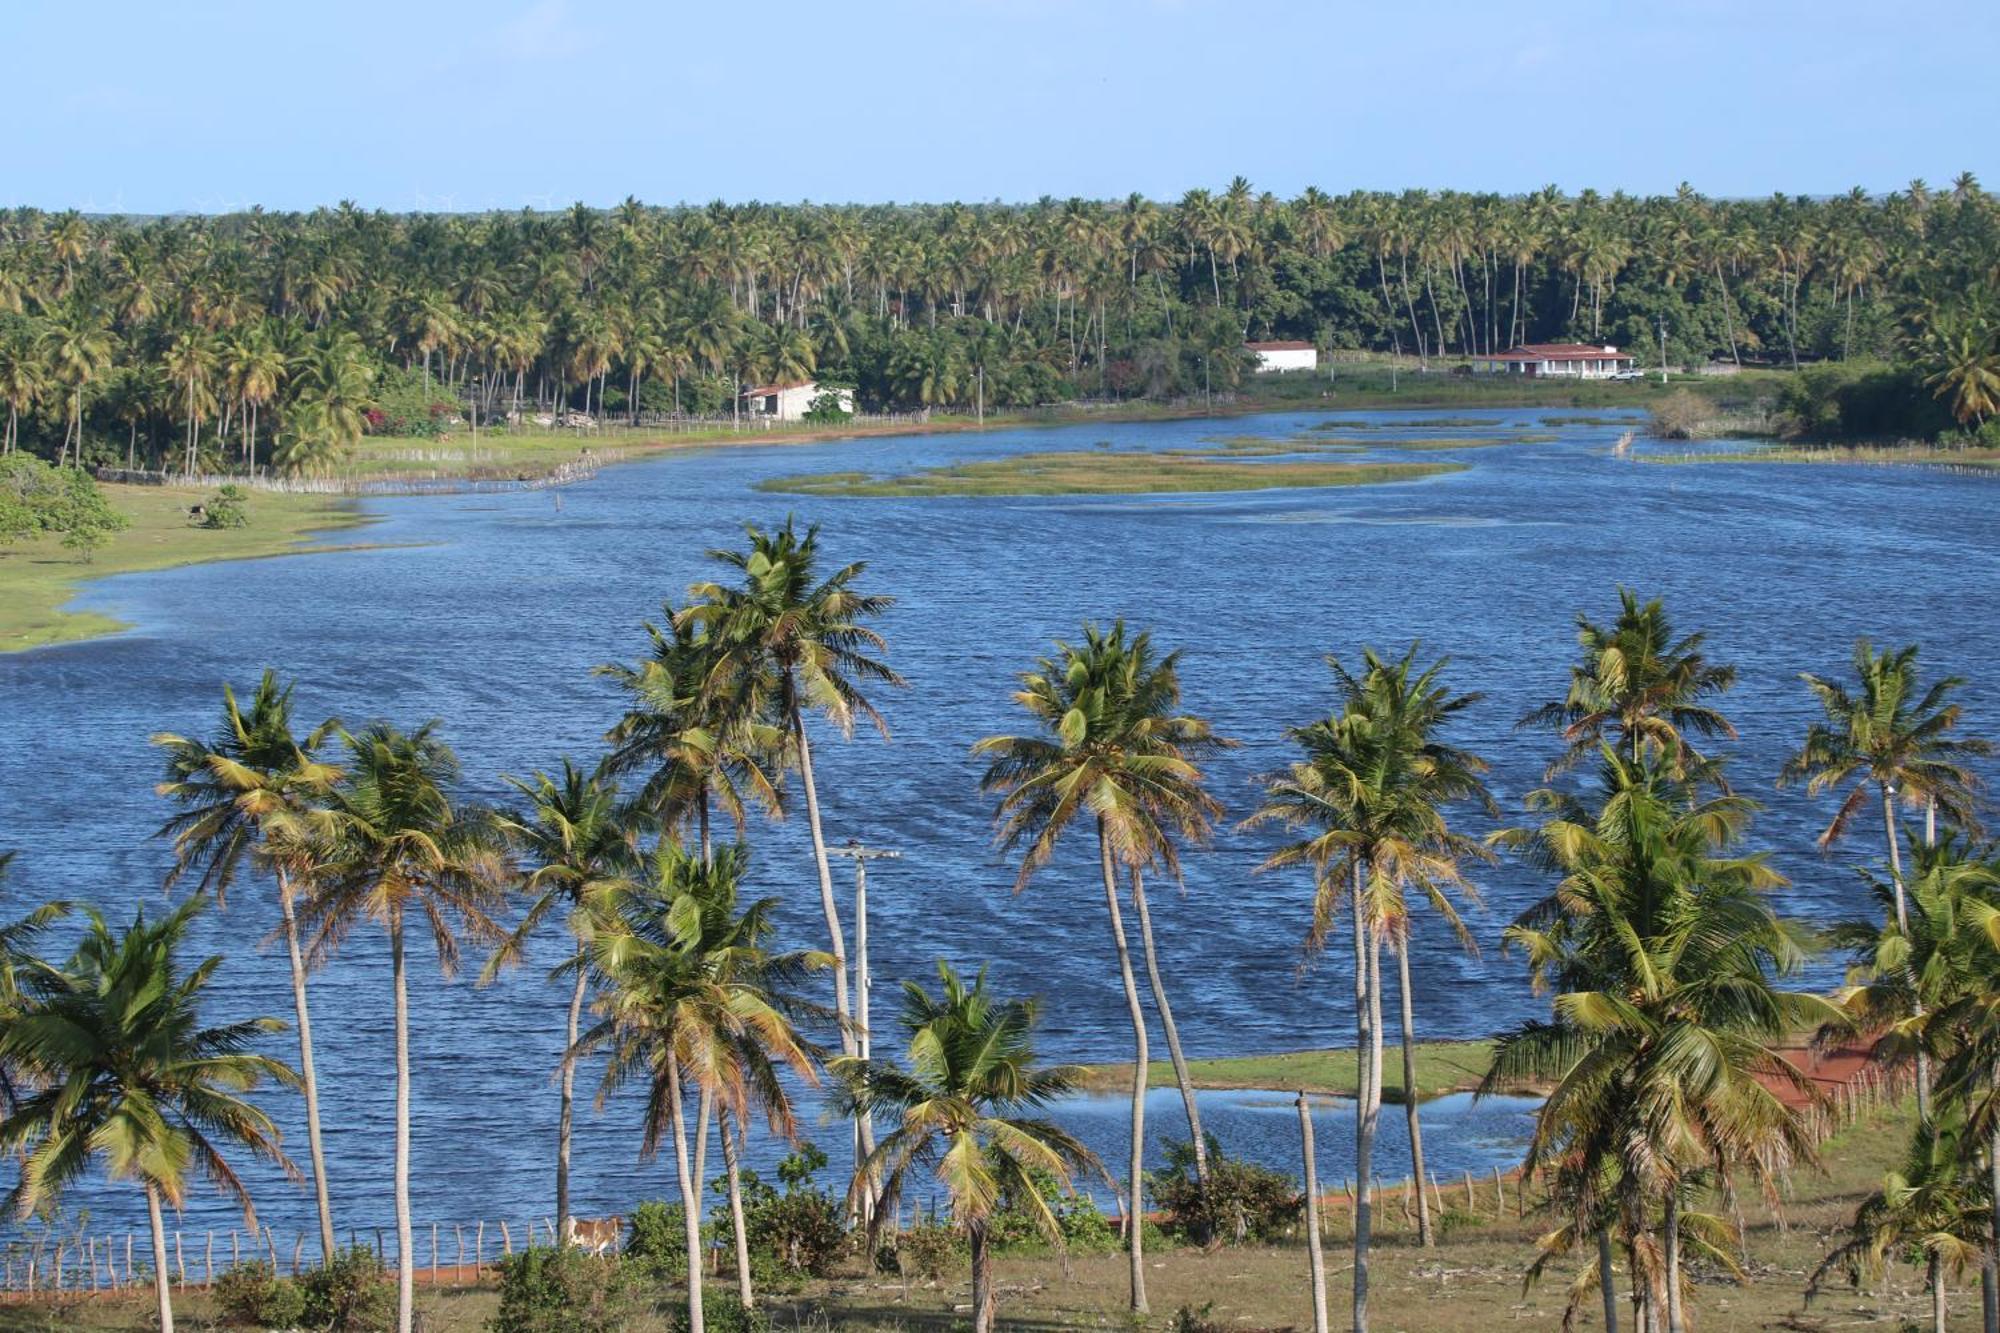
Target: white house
x=788 y=402
x=1283 y=356
x=1561 y=360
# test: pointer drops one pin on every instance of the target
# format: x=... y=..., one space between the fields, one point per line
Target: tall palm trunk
x=162 y=1290
x=1166 y=1012
x=739 y=1230
x=982 y=1279
x=843 y=1014
x=1136 y=1185
x=1936 y=1275
x=1364 y=1122
x=566 y=1116
x=1315 y=1256
x=1410 y=1091
x=308 y=1079
x=1903 y=925
x=690 y=1202
x=1676 y=1320
x=406 y=1274
x=1607 y=1283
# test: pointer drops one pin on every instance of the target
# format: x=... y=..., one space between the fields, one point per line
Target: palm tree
x=1639 y=685
x=394 y=846
x=966 y=1107
x=24 y=374
x=79 y=350
x=1372 y=790
x=691 y=994
x=574 y=839
x=17 y=939
x=785 y=629
x=252 y=793
x=1665 y=955
x=1932 y=1205
x=1112 y=748
x=124 y=1069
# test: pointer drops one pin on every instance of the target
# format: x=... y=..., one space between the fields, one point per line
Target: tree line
x=258 y=339
x=1672 y=971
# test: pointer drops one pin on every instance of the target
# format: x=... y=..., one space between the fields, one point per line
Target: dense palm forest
x=262 y=339
x=1667 y=1052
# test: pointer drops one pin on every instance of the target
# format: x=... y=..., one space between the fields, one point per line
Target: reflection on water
x=493 y=620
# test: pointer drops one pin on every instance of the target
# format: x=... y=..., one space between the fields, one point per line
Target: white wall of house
x=791 y=404
x=1286 y=358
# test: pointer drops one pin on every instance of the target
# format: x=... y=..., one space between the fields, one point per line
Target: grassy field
x=1442 y=1066
x=1101 y=474
x=1471 y=1283
x=37 y=578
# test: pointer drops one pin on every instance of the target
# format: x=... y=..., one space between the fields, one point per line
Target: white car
x=1628 y=375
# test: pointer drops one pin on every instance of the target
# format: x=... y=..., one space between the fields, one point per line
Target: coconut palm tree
x=80 y=349
x=1665 y=956
x=17 y=941
x=1111 y=747
x=692 y=995
x=24 y=376
x=967 y=1108
x=124 y=1069
x=573 y=840
x=1374 y=784
x=803 y=638
x=251 y=794
x=394 y=847
x=1639 y=685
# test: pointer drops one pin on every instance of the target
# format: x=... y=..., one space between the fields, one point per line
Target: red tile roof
x=1280 y=347
x=779 y=388
x=1557 y=352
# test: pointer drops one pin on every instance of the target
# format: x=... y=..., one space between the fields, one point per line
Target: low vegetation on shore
x=1103 y=473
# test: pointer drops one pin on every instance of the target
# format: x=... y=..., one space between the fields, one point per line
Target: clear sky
x=471 y=104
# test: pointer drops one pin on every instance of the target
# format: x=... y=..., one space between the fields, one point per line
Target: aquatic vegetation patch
x=1105 y=474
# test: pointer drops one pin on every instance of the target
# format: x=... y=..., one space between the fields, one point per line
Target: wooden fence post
x=181 y=1267
x=207 y=1260
x=458 y=1269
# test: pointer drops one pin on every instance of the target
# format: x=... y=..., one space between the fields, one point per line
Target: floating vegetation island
x=1104 y=474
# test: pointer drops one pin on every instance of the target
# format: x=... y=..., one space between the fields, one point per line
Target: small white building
x=1559 y=360
x=789 y=402
x=1279 y=357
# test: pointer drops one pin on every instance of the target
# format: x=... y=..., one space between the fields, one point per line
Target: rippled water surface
x=489 y=611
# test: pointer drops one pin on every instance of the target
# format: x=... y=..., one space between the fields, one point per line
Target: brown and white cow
x=596 y=1235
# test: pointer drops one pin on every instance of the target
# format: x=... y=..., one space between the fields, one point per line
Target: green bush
x=1242 y=1202
x=930 y=1250
x=229 y=507
x=656 y=1241
x=548 y=1289
x=721 y=1312
x=255 y=1296
x=826 y=407
x=37 y=498
x=1081 y=1227
x=350 y=1295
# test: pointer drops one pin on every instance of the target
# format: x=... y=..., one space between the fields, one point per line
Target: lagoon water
x=490 y=610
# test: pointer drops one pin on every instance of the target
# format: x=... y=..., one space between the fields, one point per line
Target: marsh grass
x=1104 y=474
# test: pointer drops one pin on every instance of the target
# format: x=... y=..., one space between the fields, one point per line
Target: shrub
x=1680 y=416
x=229 y=507
x=826 y=407
x=1081 y=1227
x=1188 y=1319
x=350 y=1295
x=36 y=498
x=721 y=1312
x=657 y=1241
x=1242 y=1202
x=930 y=1250
x=548 y=1289
x=255 y=1296
x=794 y=1234
x=406 y=405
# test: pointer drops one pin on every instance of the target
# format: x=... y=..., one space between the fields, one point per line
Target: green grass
x=1102 y=474
x=1442 y=1067
x=37 y=578
x=1587 y=421
x=1911 y=454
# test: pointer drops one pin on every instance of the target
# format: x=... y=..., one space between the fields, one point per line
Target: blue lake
x=490 y=610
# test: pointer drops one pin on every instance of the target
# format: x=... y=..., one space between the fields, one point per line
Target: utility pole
x=1663 y=349
x=864 y=1126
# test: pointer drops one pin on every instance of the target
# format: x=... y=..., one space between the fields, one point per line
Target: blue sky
x=473 y=104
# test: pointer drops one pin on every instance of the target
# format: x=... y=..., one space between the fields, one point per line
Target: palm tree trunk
x=406 y=1275
x=1315 y=1256
x=1903 y=925
x=1166 y=1012
x=690 y=1203
x=704 y=1109
x=1937 y=1293
x=982 y=1279
x=1607 y=1281
x=162 y=1290
x=739 y=1230
x=1410 y=1092
x=565 y=1117
x=827 y=902
x=1675 y=1318
x=307 y=1078
x=1364 y=1130
x=1136 y=1185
